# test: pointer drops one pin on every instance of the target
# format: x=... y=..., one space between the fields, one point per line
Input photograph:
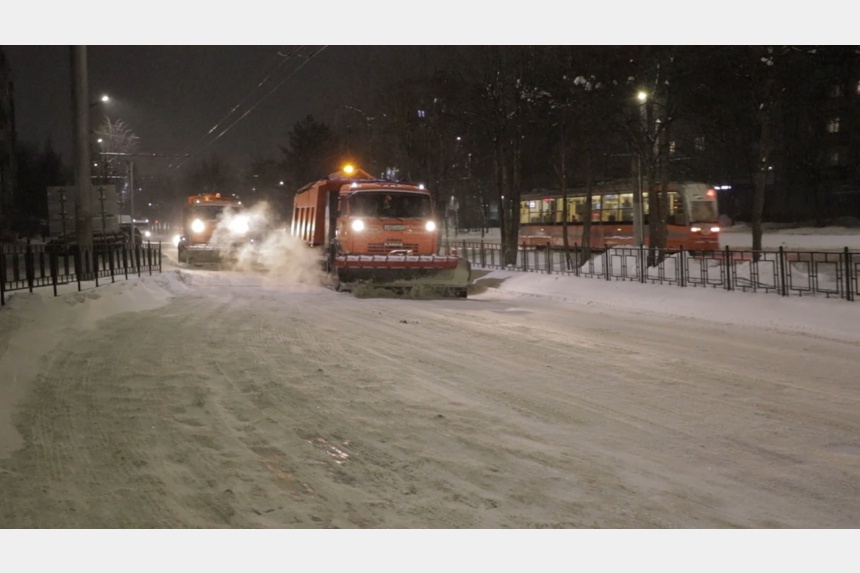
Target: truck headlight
x=357 y=225
x=240 y=225
x=430 y=226
x=198 y=226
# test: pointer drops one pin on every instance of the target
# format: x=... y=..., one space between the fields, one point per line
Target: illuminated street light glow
x=104 y=99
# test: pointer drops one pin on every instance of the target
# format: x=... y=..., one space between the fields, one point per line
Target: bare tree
x=115 y=141
x=651 y=141
x=504 y=119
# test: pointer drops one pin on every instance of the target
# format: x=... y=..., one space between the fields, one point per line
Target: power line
x=203 y=143
x=141 y=154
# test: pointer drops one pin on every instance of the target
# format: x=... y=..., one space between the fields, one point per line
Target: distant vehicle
x=145 y=228
x=213 y=228
x=693 y=222
x=142 y=229
x=376 y=232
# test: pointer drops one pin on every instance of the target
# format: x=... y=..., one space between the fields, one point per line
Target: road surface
x=244 y=403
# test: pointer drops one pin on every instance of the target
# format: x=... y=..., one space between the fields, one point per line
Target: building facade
x=7 y=147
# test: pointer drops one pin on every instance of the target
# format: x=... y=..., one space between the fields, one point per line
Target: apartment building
x=7 y=147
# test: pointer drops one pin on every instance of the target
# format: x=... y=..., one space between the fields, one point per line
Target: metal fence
x=25 y=267
x=830 y=274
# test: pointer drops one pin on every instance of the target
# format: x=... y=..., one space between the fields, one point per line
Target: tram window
x=537 y=211
x=676 y=210
x=527 y=212
x=677 y=206
x=703 y=211
x=611 y=205
x=576 y=208
x=546 y=208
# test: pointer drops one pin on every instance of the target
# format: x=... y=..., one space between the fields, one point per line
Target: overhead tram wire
x=261 y=100
x=201 y=145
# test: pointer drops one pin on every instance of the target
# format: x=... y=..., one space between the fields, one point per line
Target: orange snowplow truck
x=206 y=235
x=377 y=232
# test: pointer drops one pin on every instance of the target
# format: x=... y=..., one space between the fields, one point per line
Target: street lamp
x=103 y=160
x=94 y=131
x=104 y=99
x=638 y=211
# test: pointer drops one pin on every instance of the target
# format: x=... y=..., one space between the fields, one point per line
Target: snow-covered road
x=234 y=400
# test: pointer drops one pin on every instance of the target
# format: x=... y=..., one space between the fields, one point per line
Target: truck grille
x=383 y=249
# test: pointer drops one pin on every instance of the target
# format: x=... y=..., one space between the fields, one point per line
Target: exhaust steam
x=256 y=243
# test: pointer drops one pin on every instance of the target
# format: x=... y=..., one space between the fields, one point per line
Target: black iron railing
x=25 y=267
x=829 y=274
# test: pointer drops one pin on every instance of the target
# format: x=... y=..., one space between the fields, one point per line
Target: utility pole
x=638 y=186
x=637 y=198
x=131 y=198
x=81 y=112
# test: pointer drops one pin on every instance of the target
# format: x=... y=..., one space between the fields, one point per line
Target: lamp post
x=131 y=199
x=638 y=211
x=100 y=142
x=81 y=110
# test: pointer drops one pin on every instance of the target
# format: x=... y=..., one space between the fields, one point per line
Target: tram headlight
x=715 y=229
x=430 y=226
x=357 y=225
x=696 y=229
x=198 y=226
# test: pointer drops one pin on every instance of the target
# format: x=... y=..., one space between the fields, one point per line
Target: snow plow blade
x=441 y=275
x=204 y=256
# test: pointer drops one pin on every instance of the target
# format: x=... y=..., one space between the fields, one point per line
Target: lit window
x=836 y=90
x=672 y=147
x=858 y=87
x=422 y=113
x=833 y=125
x=835 y=158
x=699 y=143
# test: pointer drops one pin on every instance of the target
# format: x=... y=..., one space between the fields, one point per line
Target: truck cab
x=212 y=226
x=380 y=217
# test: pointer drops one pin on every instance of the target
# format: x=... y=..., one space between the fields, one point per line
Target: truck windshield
x=387 y=204
x=206 y=212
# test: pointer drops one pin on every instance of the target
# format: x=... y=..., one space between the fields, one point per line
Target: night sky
x=173 y=80
x=171 y=97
